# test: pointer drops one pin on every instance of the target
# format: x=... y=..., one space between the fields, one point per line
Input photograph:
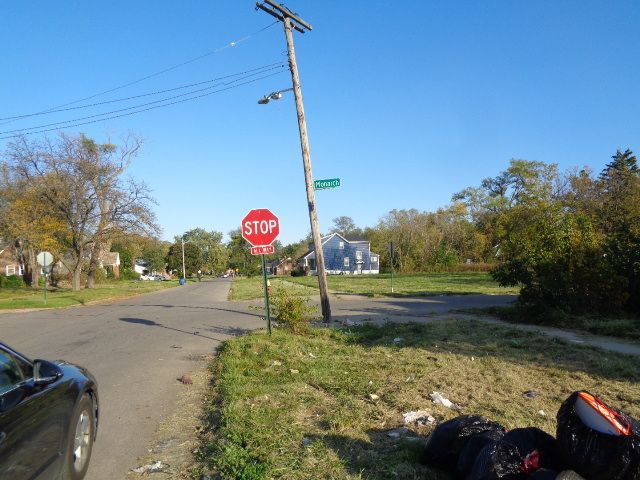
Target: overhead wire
x=155 y=74
x=61 y=123
x=145 y=109
x=158 y=92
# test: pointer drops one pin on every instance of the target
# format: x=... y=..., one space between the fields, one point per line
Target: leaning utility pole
x=292 y=21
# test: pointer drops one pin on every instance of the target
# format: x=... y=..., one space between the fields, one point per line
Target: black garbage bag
x=596 y=455
x=449 y=438
x=544 y=474
x=473 y=447
x=519 y=454
x=530 y=440
x=499 y=460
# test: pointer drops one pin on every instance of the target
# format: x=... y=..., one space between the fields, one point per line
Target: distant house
x=111 y=260
x=342 y=256
x=281 y=267
x=9 y=264
x=141 y=266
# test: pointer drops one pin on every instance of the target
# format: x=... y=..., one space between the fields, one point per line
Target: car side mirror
x=45 y=372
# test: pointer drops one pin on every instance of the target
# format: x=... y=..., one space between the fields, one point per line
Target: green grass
x=406 y=285
x=252 y=288
x=65 y=297
x=299 y=407
x=627 y=327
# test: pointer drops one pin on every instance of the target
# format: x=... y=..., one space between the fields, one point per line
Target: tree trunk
x=75 y=280
x=33 y=267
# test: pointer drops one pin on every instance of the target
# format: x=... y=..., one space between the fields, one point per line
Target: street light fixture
x=273 y=96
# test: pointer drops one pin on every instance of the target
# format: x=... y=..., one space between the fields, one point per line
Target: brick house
x=9 y=263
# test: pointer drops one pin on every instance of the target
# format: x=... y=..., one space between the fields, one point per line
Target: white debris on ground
x=397 y=432
x=156 y=466
x=419 y=417
x=440 y=399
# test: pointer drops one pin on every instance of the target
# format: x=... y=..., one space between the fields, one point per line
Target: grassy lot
x=250 y=288
x=622 y=327
x=301 y=407
x=63 y=297
x=414 y=285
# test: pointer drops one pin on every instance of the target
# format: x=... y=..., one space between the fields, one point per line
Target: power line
x=160 y=72
x=142 y=104
x=145 y=109
x=158 y=92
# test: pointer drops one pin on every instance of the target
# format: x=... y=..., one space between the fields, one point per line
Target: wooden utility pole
x=292 y=21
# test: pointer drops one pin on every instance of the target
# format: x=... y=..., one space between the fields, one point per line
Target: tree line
x=571 y=240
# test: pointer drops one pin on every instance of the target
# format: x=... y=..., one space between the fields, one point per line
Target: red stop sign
x=260 y=227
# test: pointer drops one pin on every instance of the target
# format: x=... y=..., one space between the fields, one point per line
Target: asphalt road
x=137 y=348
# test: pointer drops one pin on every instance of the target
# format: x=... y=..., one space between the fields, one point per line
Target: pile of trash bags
x=593 y=442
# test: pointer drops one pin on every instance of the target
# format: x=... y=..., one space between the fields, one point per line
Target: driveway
x=137 y=348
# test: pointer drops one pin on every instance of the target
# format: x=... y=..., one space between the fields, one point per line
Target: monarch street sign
x=328 y=183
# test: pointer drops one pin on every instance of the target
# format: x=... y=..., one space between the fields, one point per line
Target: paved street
x=136 y=348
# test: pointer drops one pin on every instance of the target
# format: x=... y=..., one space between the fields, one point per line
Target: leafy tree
x=212 y=250
x=239 y=252
x=85 y=190
x=346 y=227
x=193 y=260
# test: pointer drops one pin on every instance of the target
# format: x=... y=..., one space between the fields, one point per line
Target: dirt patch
x=171 y=451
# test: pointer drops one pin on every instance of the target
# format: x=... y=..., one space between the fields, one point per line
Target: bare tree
x=86 y=190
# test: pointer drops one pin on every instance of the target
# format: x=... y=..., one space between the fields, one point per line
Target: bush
x=12 y=281
x=129 y=275
x=292 y=311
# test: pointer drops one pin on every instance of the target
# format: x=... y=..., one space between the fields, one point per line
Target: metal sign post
x=44 y=259
x=266 y=293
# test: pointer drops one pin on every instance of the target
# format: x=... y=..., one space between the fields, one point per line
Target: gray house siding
x=336 y=249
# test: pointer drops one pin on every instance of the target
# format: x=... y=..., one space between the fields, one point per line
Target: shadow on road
x=241 y=312
x=151 y=323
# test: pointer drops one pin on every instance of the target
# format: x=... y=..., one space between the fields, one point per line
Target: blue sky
x=407 y=102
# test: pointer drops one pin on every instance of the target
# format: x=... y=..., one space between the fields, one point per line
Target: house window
x=341 y=245
x=358 y=254
x=374 y=259
x=11 y=270
x=346 y=261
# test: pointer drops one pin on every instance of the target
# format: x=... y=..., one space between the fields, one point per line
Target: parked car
x=48 y=418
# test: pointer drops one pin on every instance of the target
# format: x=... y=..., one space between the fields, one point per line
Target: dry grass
x=270 y=422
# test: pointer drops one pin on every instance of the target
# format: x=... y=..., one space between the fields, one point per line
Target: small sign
x=44 y=259
x=262 y=250
x=328 y=183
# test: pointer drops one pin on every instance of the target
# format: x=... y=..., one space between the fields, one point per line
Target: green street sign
x=328 y=183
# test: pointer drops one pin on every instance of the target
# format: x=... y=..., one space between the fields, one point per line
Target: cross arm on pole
x=281 y=13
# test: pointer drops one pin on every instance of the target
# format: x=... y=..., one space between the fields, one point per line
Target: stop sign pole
x=260 y=227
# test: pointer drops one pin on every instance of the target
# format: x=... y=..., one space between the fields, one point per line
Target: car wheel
x=80 y=442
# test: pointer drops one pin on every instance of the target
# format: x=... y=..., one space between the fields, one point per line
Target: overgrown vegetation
x=321 y=405
x=572 y=241
x=292 y=310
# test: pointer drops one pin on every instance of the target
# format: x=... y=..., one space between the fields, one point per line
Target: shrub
x=12 y=281
x=292 y=311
